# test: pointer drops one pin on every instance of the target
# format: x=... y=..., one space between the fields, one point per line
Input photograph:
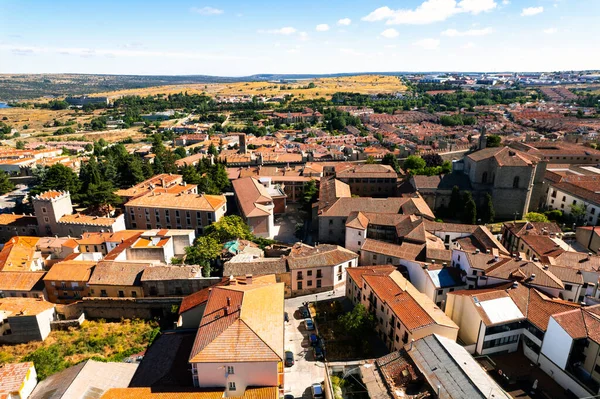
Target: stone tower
x=49 y=207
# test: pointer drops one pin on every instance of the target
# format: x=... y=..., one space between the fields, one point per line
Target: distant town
x=342 y=237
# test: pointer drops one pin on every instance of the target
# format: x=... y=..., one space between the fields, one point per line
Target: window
x=516 y=182
x=309 y=283
x=360 y=233
x=484 y=178
x=574 y=202
x=564 y=198
x=359 y=243
x=134 y=294
x=299 y=285
x=231 y=386
x=299 y=275
x=568 y=287
x=330 y=222
x=320 y=275
x=381 y=308
x=440 y=292
x=121 y=294
x=339 y=277
x=309 y=273
x=318 y=283
x=230 y=370
x=474 y=272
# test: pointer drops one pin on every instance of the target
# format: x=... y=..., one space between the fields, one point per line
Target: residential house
x=117 y=280
x=85 y=380
x=67 y=281
x=160 y=281
x=401 y=313
x=22 y=284
x=319 y=268
x=569 y=192
x=17 y=380
x=20 y=254
x=256 y=205
x=24 y=320
x=164 y=183
x=17 y=225
x=512 y=232
x=240 y=341
x=571 y=348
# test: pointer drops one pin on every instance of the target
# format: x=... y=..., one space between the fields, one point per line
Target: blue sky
x=235 y=38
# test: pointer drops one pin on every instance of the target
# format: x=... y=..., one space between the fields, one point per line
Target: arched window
x=516 y=182
x=484 y=178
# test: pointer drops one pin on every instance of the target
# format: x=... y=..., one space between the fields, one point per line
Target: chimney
x=232 y=280
x=248 y=279
x=411 y=344
x=228 y=301
x=532 y=276
x=515 y=285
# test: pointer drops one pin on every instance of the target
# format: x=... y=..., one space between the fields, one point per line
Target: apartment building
x=158 y=210
x=401 y=312
x=258 y=204
x=370 y=180
x=117 y=280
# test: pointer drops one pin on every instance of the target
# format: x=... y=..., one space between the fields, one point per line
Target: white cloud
x=470 y=32
x=430 y=11
x=505 y=2
x=206 y=10
x=427 y=44
x=344 y=22
x=390 y=46
x=322 y=28
x=550 y=31
x=468 y=45
x=529 y=11
x=390 y=33
x=288 y=30
x=303 y=36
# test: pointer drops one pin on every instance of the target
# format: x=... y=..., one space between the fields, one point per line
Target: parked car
x=318 y=352
x=314 y=340
x=309 y=324
x=289 y=359
x=304 y=312
x=286 y=318
x=288 y=396
x=317 y=391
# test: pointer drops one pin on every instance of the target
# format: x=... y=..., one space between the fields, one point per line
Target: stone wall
x=126 y=308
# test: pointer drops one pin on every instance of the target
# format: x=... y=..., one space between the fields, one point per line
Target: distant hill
x=15 y=87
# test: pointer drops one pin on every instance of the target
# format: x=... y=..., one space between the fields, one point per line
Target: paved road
x=306 y=371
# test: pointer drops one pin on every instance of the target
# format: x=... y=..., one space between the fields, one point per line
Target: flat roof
x=501 y=310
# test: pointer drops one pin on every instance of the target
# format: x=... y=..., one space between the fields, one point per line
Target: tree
x=212 y=150
x=456 y=206
x=413 y=162
x=370 y=160
x=20 y=145
x=487 y=212
x=433 y=160
x=229 y=228
x=88 y=147
x=391 y=160
x=205 y=250
x=358 y=322
x=493 y=140
x=536 y=217
x=61 y=178
x=191 y=175
x=309 y=194
x=180 y=152
x=470 y=210
x=554 y=215
x=6 y=185
x=101 y=196
x=578 y=212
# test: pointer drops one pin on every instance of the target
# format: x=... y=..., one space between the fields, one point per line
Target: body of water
x=4 y=105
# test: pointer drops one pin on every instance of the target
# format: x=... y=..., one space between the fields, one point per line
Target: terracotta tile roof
x=363 y=171
x=414 y=309
x=357 y=220
x=539 y=307
x=356 y=273
x=330 y=189
x=567 y=274
x=304 y=256
x=50 y=195
x=21 y=281
x=163 y=180
x=241 y=323
x=7 y=219
x=18 y=253
x=505 y=156
x=24 y=306
x=118 y=273
x=536 y=228
x=259 y=266
x=543 y=246
x=72 y=270
x=511 y=269
x=584 y=187
x=12 y=377
x=581 y=323
x=577 y=260
x=188 y=201
x=149 y=393
x=161 y=273
x=405 y=251
x=79 y=219
x=252 y=197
